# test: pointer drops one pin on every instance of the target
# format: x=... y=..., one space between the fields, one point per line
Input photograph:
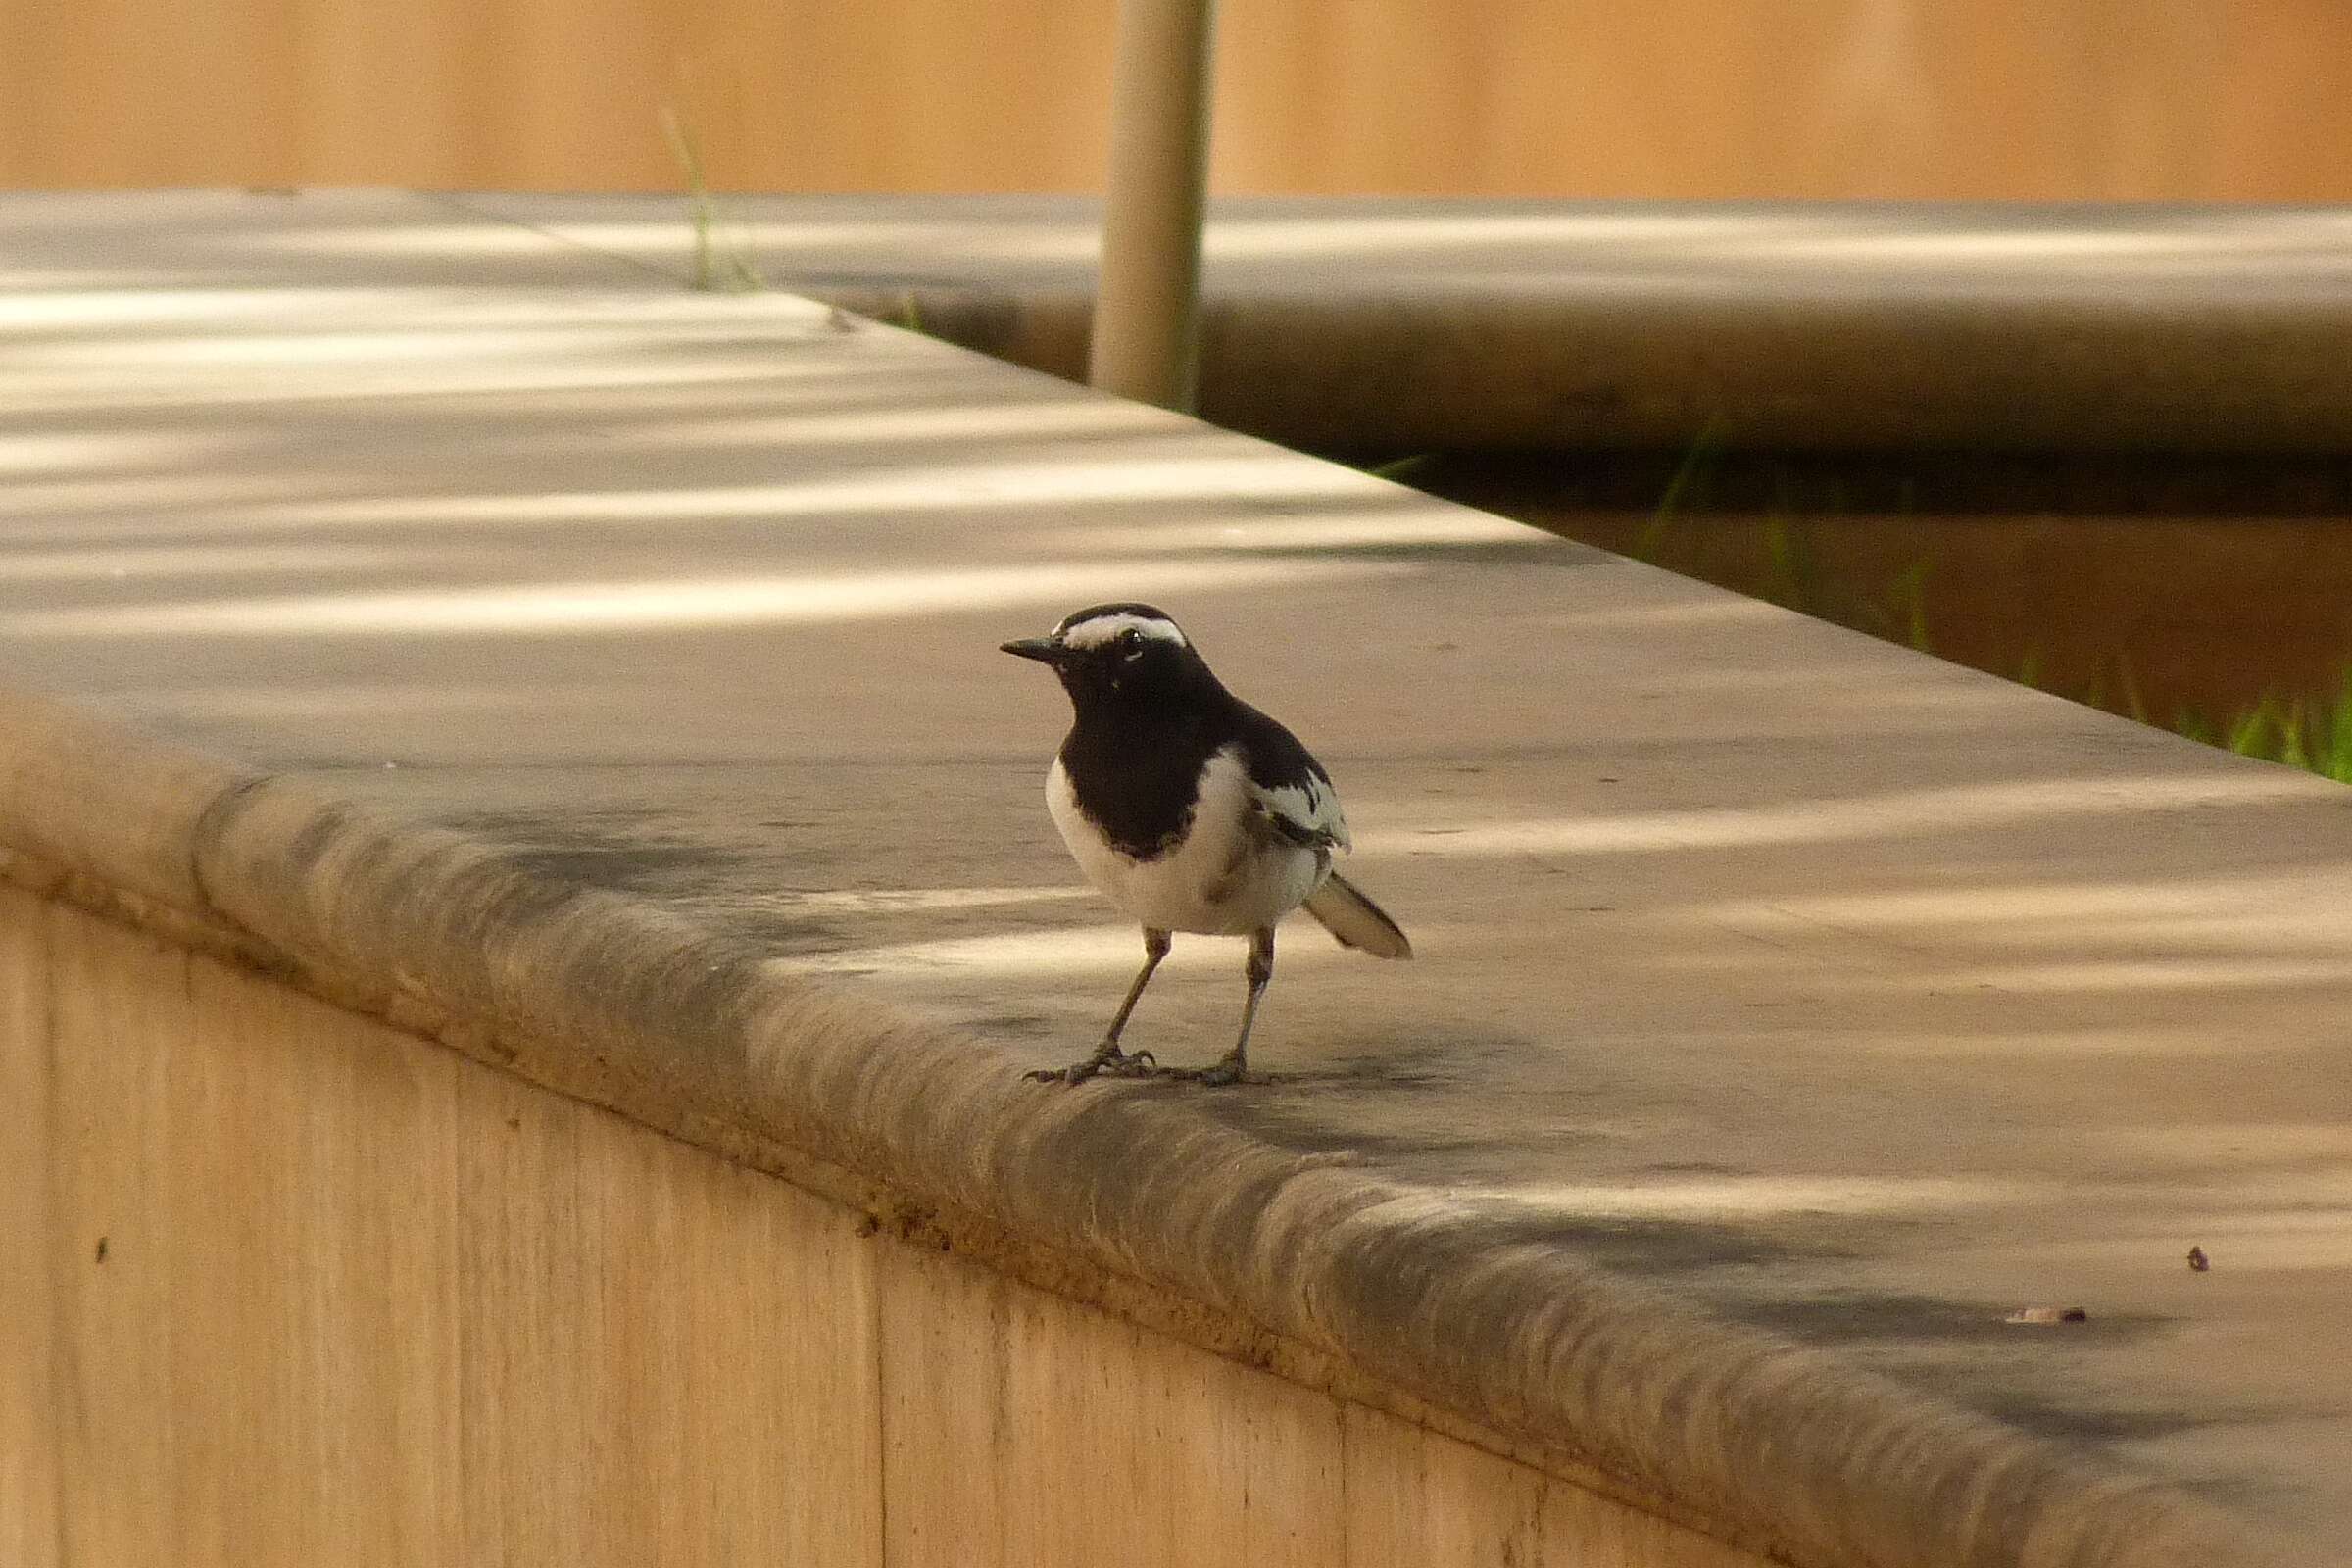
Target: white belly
x=1229 y=876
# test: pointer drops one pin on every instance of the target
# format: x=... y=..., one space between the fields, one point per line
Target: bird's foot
x=1224 y=1070
x=1107 y=1061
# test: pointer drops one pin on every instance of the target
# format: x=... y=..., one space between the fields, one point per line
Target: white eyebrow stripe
x=1104 y=628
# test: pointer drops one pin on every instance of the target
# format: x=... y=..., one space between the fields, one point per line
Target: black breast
x=1136 y=779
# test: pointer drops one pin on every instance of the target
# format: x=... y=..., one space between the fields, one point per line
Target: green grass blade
x=2249 y=733
x=1403 y=469
x=2133 y=705
x=1689 y=476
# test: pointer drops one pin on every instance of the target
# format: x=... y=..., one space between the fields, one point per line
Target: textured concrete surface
x=560 y=1337
x=1531 y=325
x=1565 y=325
x=602 y=677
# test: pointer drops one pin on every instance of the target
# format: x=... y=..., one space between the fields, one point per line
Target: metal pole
x=1147 y=342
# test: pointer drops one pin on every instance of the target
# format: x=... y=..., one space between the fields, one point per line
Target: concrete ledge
x=1310 y=1265
x=1414 y=325
x=596 y=677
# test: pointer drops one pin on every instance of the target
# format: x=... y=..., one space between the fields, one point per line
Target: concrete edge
x=1514 y=371
x=1119 y=1196
x=101 y=814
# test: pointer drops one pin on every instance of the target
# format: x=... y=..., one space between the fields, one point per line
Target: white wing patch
x=1101 y=629
x=1310 y=810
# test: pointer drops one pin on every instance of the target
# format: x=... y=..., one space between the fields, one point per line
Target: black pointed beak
x=1045 y=650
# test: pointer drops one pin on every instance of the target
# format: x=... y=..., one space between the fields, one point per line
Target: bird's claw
x=1109 y=1061
x=1217 y=1074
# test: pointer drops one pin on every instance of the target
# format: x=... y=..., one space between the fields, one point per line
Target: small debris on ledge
x=2048 y=1314
x=2198 y=1261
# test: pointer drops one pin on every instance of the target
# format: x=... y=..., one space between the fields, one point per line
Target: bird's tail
x=1356 y=920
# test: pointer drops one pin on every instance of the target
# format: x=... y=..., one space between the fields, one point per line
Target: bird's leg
x=1107 y=1056
x=1234 y=1066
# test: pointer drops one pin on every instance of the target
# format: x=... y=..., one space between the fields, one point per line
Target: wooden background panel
x=1585 y=1530
x=365 y=1301
x=946 y=1343
x=518 y=1166
x=118 y=1008
x=2087 y=99
x=665 y=1358
x=252 y=1265
x=1024 y=1429
x=1416 y=1496
x=1703 y=98
x=307 y=1197
x=1074 y=1391
x=1262 y=1458
x=1210 y=1464
x=28 y=1435
x=1021 y=1428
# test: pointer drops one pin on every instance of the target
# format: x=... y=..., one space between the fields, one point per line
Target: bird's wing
x=1289 y=787
x=1307 y=813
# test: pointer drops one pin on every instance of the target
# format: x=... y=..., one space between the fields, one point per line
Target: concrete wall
x=2092 y=99
x=1792 y=1009
x=287 y=1284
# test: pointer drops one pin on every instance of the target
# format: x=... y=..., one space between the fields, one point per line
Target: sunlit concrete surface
x=1563 y=324
x=1823 y=989
x=1514 y=324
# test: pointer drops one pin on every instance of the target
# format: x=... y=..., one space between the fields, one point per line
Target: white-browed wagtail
x=1192 y=811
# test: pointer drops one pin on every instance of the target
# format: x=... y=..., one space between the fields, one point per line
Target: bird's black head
x=1121 y=656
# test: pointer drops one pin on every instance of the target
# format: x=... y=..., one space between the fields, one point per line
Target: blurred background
x=2205 y=587
x=2216 y=99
